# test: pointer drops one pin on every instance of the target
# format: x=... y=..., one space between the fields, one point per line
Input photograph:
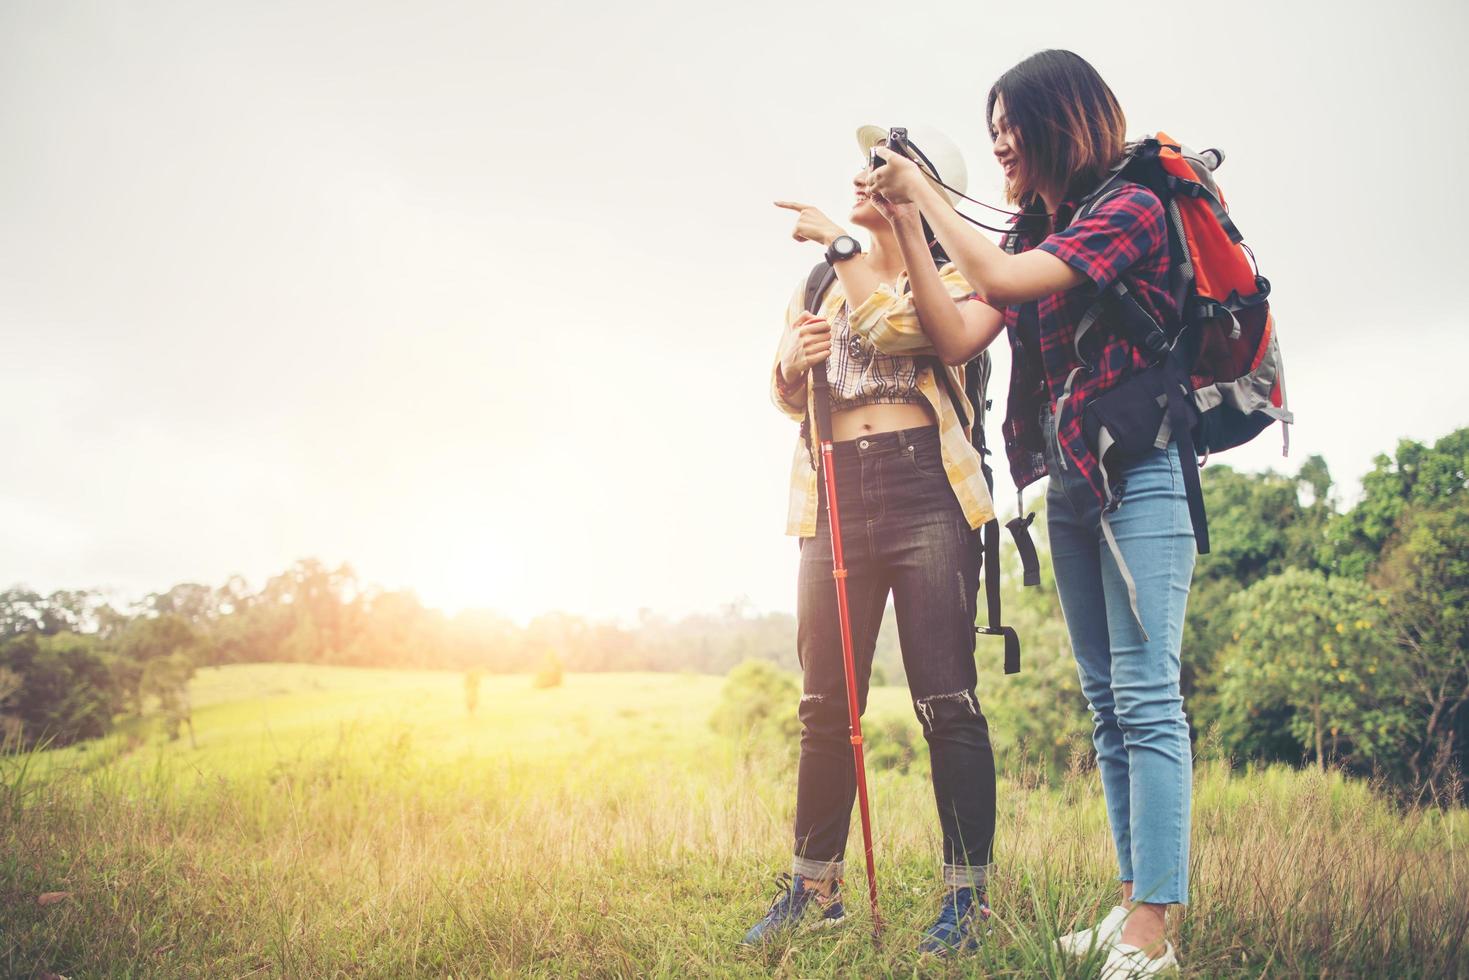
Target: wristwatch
x=842 y=248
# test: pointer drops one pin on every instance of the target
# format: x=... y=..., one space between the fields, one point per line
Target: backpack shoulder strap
x=819 y=280
x=1134 y=322
x=1116 y=185
x=941 y=372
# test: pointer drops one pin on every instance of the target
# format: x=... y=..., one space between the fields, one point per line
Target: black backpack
x=976 y=380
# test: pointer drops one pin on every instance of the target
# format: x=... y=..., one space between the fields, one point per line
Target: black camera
x=897 y=141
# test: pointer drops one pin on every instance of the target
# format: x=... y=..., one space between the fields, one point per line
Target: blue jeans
x=1130 y=678
x=903 y=533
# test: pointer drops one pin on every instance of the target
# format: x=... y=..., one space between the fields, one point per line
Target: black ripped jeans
x=902 y=532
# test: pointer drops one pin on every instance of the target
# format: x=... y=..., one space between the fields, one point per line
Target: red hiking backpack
x=1216 y=378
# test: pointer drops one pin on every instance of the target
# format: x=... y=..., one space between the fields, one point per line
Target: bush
x=893 y=743
x=472 y=680
x=758 y=704
x=550 y=673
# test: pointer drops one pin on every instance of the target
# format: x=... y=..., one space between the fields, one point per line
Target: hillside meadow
x=335 y=822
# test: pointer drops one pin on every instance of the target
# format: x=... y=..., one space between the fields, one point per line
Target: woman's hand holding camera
x=897 y=182
x=811 y=225
x=805 y=344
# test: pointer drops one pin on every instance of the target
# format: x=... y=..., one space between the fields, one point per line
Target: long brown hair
x=1067 y=124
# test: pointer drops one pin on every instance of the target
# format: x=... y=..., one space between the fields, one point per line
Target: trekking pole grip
x=821 y=401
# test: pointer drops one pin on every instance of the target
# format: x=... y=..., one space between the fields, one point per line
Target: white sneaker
x=1099 y=936
x=1124 y=961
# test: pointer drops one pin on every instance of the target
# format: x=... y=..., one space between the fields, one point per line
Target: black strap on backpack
x=975 y=382
x=822 y=275
x=1019 y=527
x=1138 y=328
x=1181 y=418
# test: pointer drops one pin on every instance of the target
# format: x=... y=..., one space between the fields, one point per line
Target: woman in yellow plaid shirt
x=912 y=502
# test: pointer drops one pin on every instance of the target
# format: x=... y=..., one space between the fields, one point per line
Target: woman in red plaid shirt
x=1123 y=548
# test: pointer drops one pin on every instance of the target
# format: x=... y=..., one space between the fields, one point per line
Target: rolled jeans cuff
x=966 y=876
x=816 y=870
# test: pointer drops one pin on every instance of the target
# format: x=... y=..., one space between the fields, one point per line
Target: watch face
x=845 y=246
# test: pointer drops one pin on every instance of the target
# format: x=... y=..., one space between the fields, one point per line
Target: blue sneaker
x=959 y=923
x=792 y=899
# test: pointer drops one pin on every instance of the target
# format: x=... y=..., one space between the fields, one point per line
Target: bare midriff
x=854 y=423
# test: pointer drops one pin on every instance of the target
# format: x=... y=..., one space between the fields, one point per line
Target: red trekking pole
x=822 y=395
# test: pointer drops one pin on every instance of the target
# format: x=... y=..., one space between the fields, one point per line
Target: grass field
x=336 y=822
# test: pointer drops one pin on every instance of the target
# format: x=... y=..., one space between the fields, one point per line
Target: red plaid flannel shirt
x=1126 y=236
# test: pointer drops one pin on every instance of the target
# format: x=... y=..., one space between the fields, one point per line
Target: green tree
x=150 y=639
x=1419 y=476
x=316 y=618
x=66 y=690
x=1258 y=526
x=20 y=612
x=10 y=685
x=393 y=627
x=197 y=605
x=167 y=680
x=1313 y=646
x=303 y=645
x=1423 y=580
x=25 y=611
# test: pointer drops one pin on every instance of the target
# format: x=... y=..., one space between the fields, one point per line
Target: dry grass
x=387 y=835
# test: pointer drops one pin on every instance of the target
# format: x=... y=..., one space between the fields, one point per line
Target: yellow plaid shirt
x=888 y=321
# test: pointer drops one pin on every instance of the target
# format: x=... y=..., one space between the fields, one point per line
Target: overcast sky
x=482 y=298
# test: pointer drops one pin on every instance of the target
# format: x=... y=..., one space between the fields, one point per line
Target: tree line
x=1316 y=633
x=72 y=663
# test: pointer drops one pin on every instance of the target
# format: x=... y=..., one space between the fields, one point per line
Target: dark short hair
x=1068 y=125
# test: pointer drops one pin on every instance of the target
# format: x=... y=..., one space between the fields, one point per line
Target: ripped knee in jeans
x=823 y=715
x=937 y=708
